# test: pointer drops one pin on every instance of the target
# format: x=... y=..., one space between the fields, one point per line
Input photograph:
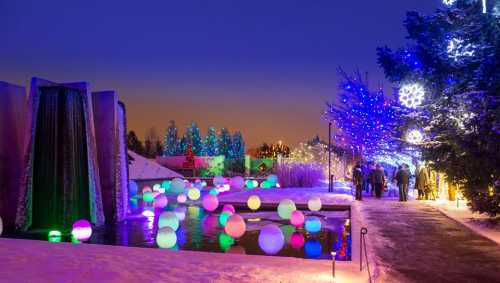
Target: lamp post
x=333 y=264
x=330 y=189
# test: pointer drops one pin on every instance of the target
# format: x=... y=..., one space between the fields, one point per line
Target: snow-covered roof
x=141 y=168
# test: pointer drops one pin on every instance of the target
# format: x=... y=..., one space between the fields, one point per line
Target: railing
x=362 y=244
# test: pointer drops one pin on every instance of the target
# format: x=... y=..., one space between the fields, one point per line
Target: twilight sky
x=264 y=67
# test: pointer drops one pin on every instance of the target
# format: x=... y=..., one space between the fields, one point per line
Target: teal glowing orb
x=165 y=184
x=272 y=180
x=265 y=184
x=249 y=184
x=313 y=224
x=223 y=218
x=166 y=238
x=177 y=186
x=213 y=192
x=148 y=197
x=168 y=219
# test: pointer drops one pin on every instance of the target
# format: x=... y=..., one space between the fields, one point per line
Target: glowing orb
x=297 y=240
x=225 y=241
x=165 y=184
x=133 y=188
x=209 y=224
x=181 y=198
x=146 y=189
x=177 y=185
x=55 y=236
x=272 y=180
x=166 y=238
x=285 y=208
x=314 y=204
x=213 y=192
x=180 y=212
x=249 y=184
x=253 y=202
x=255 y=184
x=198 y=184
x=235 y=226
x=229 y=207
x=287 y=231
x=411 y=95
x=148 y=197
x=82 y=230
x=148 y=213
x=297 y=218
x=237 y=182
x=194 y=194
x=265 y=184
x=224 y=188
x=160 y=201
x=219 y=181
x=271 y=239
x=210 y=202
x=168 y=219
x=223 y=217
x=313 y=248
x=313 y=224
x=156 y=187
x=414 y=137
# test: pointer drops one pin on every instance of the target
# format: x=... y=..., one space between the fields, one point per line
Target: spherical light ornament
x=225 y=241
x=156 y=187
x=213 y=192
x=177 y=186
x=165 y=185
x=411 y=95
x=287 y=231
x=313 y=224
x=235 y=226
x=203 y=184
x=265 y=184
x=237 y=182
x=219 y=181
x=133 y=188
x=54 y=236
x=253 y=202
x=180 y=212
x=223 y=217
x=414 y=137
x=210 y=224
x=168 y=219
x=160 y=201
x=313 y=249
x=146 y=189
x=181 y=198
x=314 y=204
x=210 y=202
x=148 y=197
x=82 y=230
x=272 y=180
x=297 y=240
x=229 y=207
x=297 y=218
x=249 y=184
x=285 y=208
x=255 y=184
x=271 y=239
x=166 y=238
x=194 y=194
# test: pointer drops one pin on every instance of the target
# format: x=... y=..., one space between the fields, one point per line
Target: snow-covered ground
x=479 y=223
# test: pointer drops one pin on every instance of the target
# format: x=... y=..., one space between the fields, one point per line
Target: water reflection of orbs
x=313 y=248
x=287 y=230
x=209 y=224
x=193 y=212
x=237 y=250
x=180 y=212
x=181 y=237
x=223 y=218
x=271 y=239
x=225 y=241
x=229 y=207
x=297 y=240
x=166 y=238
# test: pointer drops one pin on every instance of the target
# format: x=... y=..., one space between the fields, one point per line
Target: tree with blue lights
x=364 y=119
x=182 y=145
x=194 y=138
x=211 y=144
x=171 y=140
x=237 y=146
x=225 y=142
x=448 y=82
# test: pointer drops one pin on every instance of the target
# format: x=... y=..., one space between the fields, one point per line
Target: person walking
x=403 y=180
x=357 y=179
x=378 y=180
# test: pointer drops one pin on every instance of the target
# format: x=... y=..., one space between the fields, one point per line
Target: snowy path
x=415 y=242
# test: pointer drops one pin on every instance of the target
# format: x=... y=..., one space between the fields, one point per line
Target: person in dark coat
x=378 y=180
x=357 y=179
x=403 y=180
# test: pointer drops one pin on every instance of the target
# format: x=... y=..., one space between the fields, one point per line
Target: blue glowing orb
x=313 y=224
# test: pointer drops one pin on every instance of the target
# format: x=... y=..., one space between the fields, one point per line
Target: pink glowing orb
x=297 y=240
x=237 y=182
x=160 y=201
x=146 y=189
x=235 y=226
x=82 y=230
x=229 y=208
x=210 y=202
x=181 y=198
x=297 y=218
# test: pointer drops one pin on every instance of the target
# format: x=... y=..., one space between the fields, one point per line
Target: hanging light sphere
x=194 y=194
x=297 y=218
x=82 y=230
x=285 y=208
x=168 y=219
x=253 y=202
x=237 y=182
x=314 y=204
x=210 y=202
x=235 y=226
x=166 y=238
x=181 y=198
x=160 y=201
x=411 y=95
x=313 y=224
x=414 y=136
x=271 y=239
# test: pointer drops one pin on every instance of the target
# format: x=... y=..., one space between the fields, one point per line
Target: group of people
x=372 y=177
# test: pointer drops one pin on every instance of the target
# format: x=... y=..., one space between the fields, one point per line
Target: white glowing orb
x=177 y=185
x=457 y=49
x=166 y=238
x=414 y=137
x=314 y=204
x=285 y=208
x=411 y=95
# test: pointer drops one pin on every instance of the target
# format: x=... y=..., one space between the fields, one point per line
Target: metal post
x=330 y=188
x=333 y=263
x=362 y=233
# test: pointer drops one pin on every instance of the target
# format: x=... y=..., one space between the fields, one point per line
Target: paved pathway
x=419 y=244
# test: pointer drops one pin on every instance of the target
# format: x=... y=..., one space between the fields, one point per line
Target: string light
x=457 y=50
x=414 y=136
x=411 y=95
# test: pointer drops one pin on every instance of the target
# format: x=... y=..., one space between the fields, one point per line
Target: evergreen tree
x=152 y=144
x=182 y=145
x=449 y=87
x=211 y=144
x=225 y=143
x=238 y=146
x=171 y=140
x=194 y=138
x=134 y=144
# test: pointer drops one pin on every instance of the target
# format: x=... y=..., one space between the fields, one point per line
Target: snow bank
x=141 y=168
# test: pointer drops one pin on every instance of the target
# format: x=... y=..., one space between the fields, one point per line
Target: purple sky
x=263 y=67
